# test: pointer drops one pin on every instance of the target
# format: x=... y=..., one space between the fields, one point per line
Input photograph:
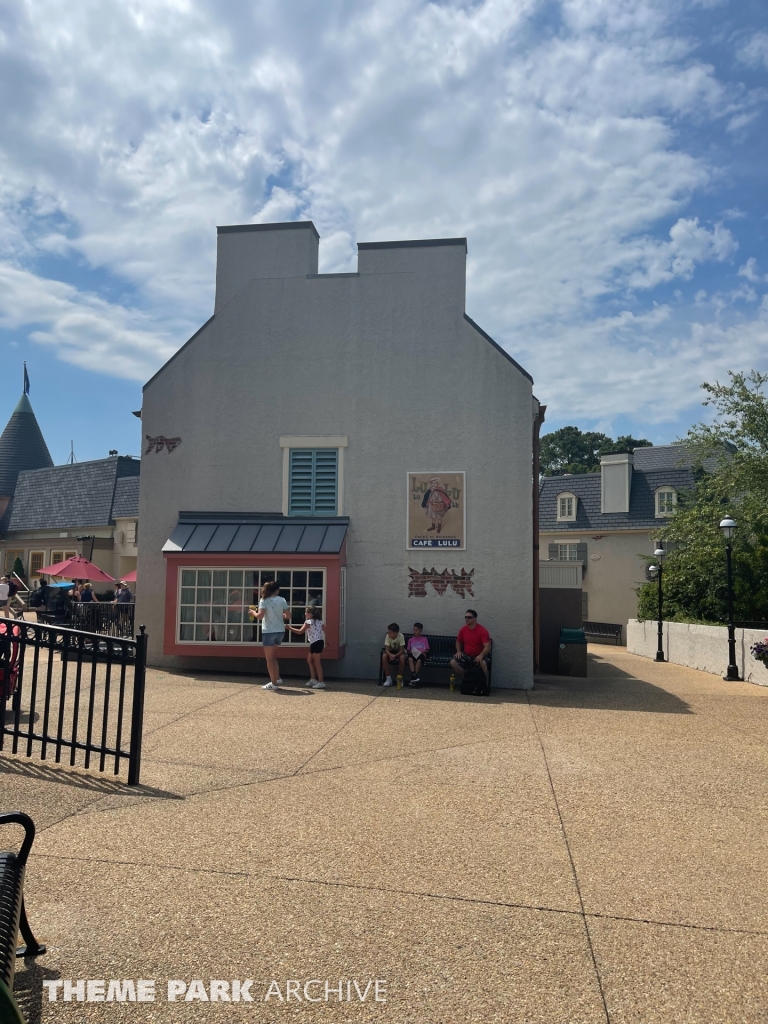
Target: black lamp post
x=656 y=572
x=727 y=525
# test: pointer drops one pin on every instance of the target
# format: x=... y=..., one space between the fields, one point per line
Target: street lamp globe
x=659 y=553
x=727 y=525
x=653 y=571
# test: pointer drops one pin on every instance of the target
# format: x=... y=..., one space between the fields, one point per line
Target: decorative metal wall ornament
x=160 y=442
x=460 y=583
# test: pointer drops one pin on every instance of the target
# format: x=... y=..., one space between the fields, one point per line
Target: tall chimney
x=440 y=261
x=616 y=482
x=248 y=251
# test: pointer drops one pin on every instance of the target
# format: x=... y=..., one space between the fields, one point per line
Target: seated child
x=418 y=650
x=394 y=653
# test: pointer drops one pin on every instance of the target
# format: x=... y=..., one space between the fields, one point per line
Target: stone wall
x=701 y=647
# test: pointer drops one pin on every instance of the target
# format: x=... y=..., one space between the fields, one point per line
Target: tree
x=18 y=567
x=570 y=450
x=625 y=443
x=735 y=482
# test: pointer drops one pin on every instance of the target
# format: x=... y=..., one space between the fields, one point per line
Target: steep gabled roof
x=77 y=495
x=22 y=446
x=654 y=467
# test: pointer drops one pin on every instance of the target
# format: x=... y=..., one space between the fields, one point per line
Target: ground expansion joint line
x=186 y=714
x=583 y=913
x=414 y=893
x=341 y=729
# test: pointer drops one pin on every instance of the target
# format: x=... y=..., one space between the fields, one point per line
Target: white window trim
x=567 y=544
x=342 y=605
x=35 y=551
x=571 y=518
x=301 y=441
x=664 y=489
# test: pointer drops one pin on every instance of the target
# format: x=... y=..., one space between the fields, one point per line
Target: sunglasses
x=470 y=616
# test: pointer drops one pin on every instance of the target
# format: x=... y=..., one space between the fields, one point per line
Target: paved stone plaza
x=592 y=851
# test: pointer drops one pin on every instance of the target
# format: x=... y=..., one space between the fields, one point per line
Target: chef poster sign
x=436 y=511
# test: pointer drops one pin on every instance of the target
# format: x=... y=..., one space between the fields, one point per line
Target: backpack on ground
x=475 y=681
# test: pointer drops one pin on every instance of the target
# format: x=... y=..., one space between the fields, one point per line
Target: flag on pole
x=26 y=380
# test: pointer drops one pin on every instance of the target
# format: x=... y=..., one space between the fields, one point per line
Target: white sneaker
x=318 y=684
x=270 y=686
x=388 y=681
x=279 y=682
x=310 y=682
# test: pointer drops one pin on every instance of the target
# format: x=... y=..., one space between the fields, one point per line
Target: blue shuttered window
x=313 y=481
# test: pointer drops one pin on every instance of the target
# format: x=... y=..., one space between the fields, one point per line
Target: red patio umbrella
x=130 y=578
x=77 y=568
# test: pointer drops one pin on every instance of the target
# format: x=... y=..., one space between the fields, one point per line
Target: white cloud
x=689 y=244
x=83 y=329
x=749 y=270
x=628 y=368
x=557 y=153
x=755 y=51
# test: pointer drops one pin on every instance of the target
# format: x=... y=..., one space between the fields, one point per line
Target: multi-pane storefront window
x=213 y=603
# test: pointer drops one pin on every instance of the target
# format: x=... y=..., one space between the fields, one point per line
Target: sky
x=606 y=160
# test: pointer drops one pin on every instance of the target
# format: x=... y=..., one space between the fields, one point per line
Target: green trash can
x=572 y=652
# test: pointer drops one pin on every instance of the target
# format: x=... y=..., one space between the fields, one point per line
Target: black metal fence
x=107 y=619
x=65 y=688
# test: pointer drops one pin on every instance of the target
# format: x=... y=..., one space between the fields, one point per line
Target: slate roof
x=74 y=496
x=653 y=468
x=126 y=501
x=255 y=532
x=22 y=446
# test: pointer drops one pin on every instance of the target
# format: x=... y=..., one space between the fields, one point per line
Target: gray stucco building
x=355 y=435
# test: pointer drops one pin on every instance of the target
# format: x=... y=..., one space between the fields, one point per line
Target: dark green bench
x=441 y=650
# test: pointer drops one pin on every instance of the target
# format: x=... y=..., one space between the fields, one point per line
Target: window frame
x=663 y=490
x=193 y=625
x=567 y=545
x=64 y=556
x=342 y=605
x=32 y=575
x=566 y=518
x=313 y=454
x=337 y=441
x=10 y=556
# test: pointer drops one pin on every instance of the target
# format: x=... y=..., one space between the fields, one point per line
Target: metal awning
x=256 y=533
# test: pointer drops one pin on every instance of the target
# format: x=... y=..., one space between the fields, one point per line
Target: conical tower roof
x=22 y=446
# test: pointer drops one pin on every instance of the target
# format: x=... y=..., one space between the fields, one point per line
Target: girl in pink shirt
x=418 y=649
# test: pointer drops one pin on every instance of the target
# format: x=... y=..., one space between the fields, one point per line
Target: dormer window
x=566 y=507
x=666 y=499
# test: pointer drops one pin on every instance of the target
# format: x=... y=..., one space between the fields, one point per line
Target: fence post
x=137 y=712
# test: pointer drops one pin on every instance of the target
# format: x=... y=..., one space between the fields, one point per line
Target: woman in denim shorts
x=273 y=614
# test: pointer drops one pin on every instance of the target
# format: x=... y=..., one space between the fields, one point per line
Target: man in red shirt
x=472 y=644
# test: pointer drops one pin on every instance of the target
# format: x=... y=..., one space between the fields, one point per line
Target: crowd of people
x=55 y=601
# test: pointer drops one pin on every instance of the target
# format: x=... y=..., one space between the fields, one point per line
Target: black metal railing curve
x=72 y=689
